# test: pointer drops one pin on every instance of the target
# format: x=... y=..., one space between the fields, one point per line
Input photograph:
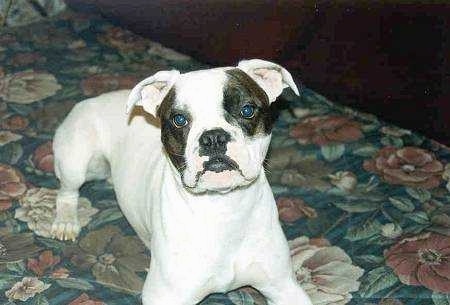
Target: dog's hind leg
x=74 y=147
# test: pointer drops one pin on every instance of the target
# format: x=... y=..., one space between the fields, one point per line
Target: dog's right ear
x=150 y=92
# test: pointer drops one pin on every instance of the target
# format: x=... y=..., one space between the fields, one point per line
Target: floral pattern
x=410 y=166
x=38 y=210
x=422 y=261
x=325 y=272
x=365 y=205
x=27 y=288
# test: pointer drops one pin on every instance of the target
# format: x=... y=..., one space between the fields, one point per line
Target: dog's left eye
x=179 y=120
x=248 y=111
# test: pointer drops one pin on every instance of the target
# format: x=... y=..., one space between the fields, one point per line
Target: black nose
x=213 y=142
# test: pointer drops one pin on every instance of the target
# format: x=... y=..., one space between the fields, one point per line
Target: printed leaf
x=415 y=229
x=365 y=231
x=440 y=298
x=7 y=280
x=368 y=259
x=51 y=243
x=365 y=151
x=357 y=206
x=11 y=153
x=239 y=297
x=74 y=283
x=419 y=194
x=440 y=230
x=418 y=217
x=40 y=299
x=403 y=204
x=370 y=127
x=16 y=267
x=106 y=216
x=332 y=152
x=21 y=109
x=376 y=280
x=392 y=141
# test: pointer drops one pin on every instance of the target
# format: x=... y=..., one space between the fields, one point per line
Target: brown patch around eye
x=173 y=138
x=240 y=90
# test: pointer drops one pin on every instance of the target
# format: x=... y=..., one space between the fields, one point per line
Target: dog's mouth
x=218 y=173
x=219 y=164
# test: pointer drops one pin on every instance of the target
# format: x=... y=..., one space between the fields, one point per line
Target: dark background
x=390 y=58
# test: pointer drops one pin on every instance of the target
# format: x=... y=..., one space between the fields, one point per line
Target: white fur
x=200 y=243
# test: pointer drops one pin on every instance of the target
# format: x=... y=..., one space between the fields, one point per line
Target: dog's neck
x=237 y=201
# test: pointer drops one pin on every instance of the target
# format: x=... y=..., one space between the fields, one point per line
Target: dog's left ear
x=272 y=78
x=150 y=92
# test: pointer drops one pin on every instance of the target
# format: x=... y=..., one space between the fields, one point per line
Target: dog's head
x=215 y=124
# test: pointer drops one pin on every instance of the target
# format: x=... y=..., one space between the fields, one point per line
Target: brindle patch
x=174 y=139
x=239 y=90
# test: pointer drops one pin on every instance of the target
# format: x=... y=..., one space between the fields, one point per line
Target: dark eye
x=247 y=111
x=179 y=120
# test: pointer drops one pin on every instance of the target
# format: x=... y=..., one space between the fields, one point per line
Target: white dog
x=188 y=175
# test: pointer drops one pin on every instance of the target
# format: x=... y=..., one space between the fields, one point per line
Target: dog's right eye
x=179 y=120
x=248 y=111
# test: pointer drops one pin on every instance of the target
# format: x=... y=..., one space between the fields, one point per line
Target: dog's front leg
x=286 y=292
x=161 y=289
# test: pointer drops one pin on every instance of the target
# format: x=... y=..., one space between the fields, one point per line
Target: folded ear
x=272 y=78
x=150 y=92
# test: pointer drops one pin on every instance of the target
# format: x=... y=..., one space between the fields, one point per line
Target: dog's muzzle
x=213 y=144
x=219 y=163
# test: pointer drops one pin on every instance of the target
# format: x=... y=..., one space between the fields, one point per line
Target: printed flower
x=23 y=59
x=7 y=39
x=5 y=205
x=422 y=261
x=28 y=86
x=14 y=122
x=43 y=157
x=292 y=209
x=17 y=246
x=308 y=174
x=25 y=289
x=123 y=40
x=344 y=180
x=49 y=117
x=169 y=54
x=446 y=176
x=37 y=209
x=324 y=130
x=45 y=262
x=12 y=184
x=113 y=258
x=101 y=83
x=446 y=173
x=410 y=166
x=325 y=272
x=60 y=273
x=84 y=299
x=8 y=137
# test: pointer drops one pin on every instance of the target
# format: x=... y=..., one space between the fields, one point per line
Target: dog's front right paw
x=65 y=230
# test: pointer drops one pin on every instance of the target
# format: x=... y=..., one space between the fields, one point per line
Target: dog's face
x=216 y=124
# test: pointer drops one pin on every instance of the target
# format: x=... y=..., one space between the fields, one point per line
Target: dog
x=185 y=154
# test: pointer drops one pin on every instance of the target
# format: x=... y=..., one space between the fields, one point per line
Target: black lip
x=220 y=163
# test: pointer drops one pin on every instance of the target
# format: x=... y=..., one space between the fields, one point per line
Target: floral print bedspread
x=365 y=205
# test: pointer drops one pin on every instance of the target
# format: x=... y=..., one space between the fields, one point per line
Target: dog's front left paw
x=65 y=230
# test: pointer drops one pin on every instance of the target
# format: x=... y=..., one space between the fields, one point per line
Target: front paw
x=65 y=230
